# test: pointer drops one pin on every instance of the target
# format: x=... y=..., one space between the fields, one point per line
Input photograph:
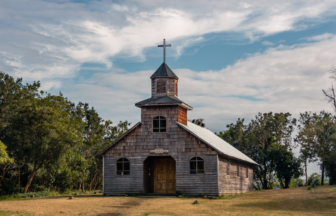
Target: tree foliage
x=266 y=139
x=53 y=141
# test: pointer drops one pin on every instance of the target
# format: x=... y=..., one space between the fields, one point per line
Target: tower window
x=123 y=166
x=176 y=91
x=196 y=165
x=159 y=124
x=161 y=86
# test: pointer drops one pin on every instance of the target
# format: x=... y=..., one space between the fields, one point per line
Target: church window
x=196 y=165
x=159 y=124
x=123 y=166
x=161 y=86
x=246 y=171
x=228 y=168
x=176 y=89
x=237 y=169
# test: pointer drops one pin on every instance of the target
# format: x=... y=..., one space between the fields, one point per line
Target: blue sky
x=234 y=58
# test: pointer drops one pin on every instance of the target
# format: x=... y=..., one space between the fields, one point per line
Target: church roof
x=215 y=141
x=164 y=71
x=164 y=100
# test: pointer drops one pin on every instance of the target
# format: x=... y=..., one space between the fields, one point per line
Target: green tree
x=306 y=138
x=286 y=166
x=260 y=140
x=325 y=144
x=41 y=131
x=5 y=161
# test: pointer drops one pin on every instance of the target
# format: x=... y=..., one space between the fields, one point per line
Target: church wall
x=128 y=184
x=233 y=184
x=197 y=184
x=182 y=116
x=181 y=145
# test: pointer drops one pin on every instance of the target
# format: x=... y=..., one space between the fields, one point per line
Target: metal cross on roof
x=164 y=49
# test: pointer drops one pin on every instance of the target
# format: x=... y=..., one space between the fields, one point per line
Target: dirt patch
x=296 y=201
x=109 y=214
x=132 y=203
x=121 y=207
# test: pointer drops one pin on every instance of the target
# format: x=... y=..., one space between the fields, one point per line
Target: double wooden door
x=164 y=176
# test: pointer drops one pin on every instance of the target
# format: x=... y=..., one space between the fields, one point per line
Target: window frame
x=197 y=159
x=159 y=128
x=123 y=161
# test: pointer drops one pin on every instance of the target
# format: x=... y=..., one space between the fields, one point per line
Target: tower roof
x=165 y=100
x=164 y=71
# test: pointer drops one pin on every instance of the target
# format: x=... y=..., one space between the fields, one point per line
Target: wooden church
x=167 y=154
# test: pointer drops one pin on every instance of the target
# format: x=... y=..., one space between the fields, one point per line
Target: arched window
x=159 y=124
x=196 y=165
x=123 y=166
x=161 y=86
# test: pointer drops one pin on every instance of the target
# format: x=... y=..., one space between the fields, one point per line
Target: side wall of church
x=232 y=182
x=181 y=146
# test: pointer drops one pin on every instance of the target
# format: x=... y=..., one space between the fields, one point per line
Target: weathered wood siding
x=171 y=87
x=181 y=145
x=127 y=184
x=197 y=184
x=182 y=115
x=233 y=183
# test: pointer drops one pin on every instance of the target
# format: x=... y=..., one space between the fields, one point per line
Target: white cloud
x=281 y=79
x=49 y=40
x=267 y=43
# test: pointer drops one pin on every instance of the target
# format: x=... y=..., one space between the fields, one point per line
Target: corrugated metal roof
x=164 y=100
x=215 y=141
x=164 y=71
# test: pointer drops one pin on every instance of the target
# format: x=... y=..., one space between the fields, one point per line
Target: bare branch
x=331 y=96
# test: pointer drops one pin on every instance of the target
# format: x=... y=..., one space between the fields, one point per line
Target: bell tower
x=160 y=113
x=164 y=82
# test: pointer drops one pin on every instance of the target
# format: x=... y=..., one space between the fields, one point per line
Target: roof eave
x=152 y=77
x=166 y=104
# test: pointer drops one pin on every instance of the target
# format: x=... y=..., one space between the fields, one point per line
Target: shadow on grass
x=317 y=205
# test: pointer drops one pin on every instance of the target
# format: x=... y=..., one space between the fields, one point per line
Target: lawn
x=296 y=201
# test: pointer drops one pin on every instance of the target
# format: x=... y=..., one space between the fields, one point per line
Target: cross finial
x=164 y=49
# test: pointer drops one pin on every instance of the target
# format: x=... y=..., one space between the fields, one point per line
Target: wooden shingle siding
x=182 y=115
x=197 y=184
x=127 y=184
x=170 y=87
x=181 y=146
x=233 y=184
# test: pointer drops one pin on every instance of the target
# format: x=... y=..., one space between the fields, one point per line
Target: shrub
x=314 y=180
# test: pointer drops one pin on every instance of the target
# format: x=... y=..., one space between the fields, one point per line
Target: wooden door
x=164 y=176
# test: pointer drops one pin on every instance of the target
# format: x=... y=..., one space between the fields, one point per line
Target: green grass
x=9 y=213
x=226 y=197
x=27 y=195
